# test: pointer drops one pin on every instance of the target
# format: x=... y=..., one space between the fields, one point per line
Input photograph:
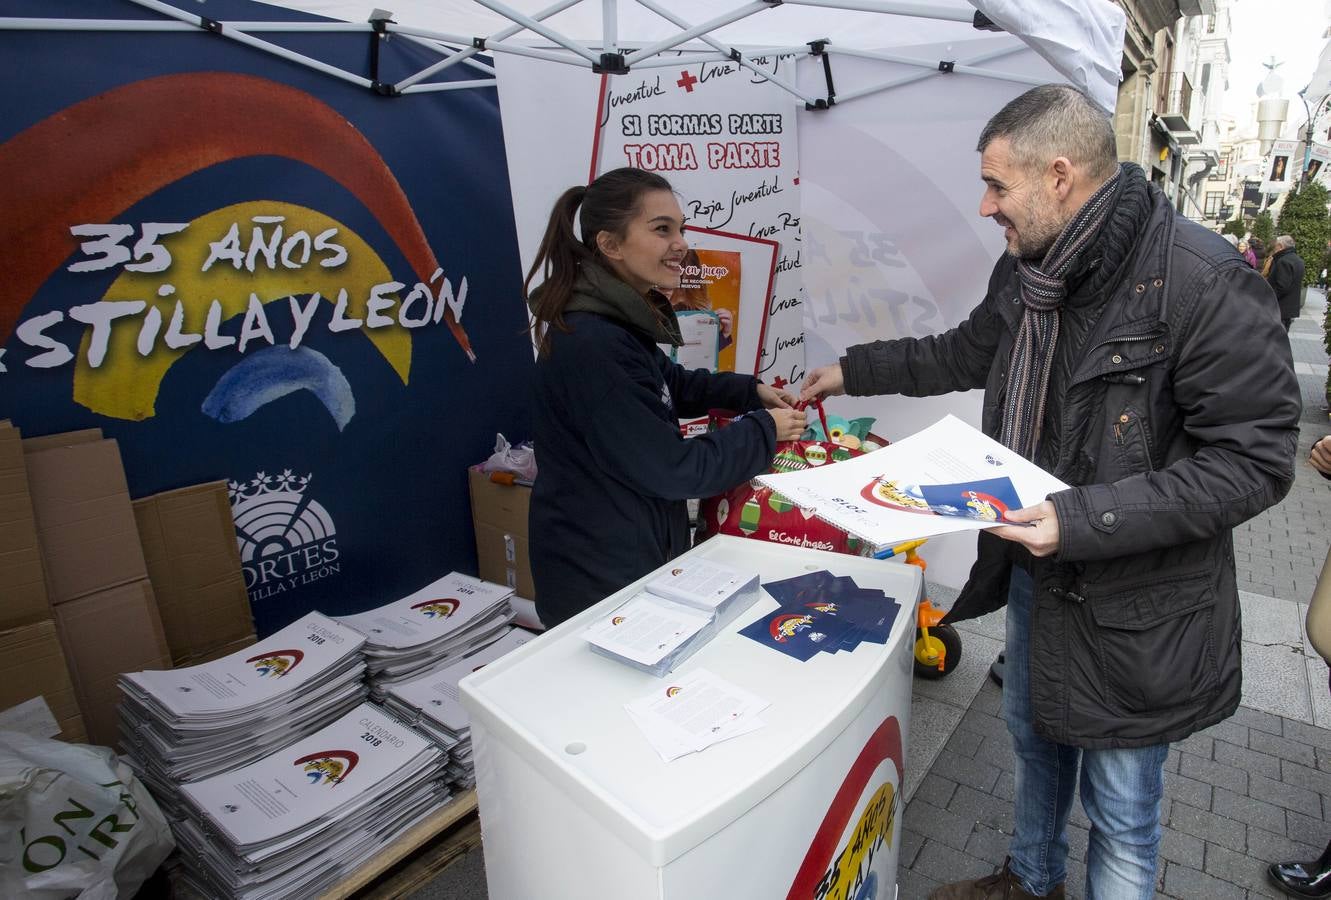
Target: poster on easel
x=710 y=284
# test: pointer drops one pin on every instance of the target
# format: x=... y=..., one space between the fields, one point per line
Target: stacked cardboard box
x=499 y=516
x=189 y=544
x=96 y=579
x=79 y=564
x=32 y=663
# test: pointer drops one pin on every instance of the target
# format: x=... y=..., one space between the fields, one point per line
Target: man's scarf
x=1043 y=289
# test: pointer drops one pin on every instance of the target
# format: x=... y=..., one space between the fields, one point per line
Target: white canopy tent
x=890 y=96
x=1082 y=41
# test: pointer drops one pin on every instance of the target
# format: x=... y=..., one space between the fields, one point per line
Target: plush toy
x=852 y=433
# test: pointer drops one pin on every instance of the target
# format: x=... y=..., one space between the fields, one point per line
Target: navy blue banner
x=244 y=269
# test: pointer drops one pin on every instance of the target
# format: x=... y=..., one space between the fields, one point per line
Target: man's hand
x=774 y=398
x=827 y=381
x=1042 y=537
x=790 y=423
x=1321 y=455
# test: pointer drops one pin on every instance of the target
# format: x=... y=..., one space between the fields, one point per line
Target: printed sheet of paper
x=700 y=583
x=304 y=651
x=646 y=629
x=436 y=609
x=701 y=331
x=310 y=779
x=32 y=717
x=436 y=694
x=690 y=713
x=949 y=477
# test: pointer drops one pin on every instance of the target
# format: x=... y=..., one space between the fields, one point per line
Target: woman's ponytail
x=607 y=204
x=557 y=260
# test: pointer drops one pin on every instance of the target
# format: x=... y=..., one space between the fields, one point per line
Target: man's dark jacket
x=1173 y=412
x=609 y=503
x=1286 y=277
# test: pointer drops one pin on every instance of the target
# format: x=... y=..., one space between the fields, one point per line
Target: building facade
x=1168 y=120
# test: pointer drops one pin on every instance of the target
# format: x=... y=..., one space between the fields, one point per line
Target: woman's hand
x=774 y=398
x=790 y=423
x=727 y=320
x=827 y=381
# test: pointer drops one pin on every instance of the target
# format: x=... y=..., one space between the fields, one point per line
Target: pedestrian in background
x=1286 y=276
x=1121 y=349
x=1258 y=247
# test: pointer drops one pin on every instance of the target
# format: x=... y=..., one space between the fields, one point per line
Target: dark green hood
x=597 y=291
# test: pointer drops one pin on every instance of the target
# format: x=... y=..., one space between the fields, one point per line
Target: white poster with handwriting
x=725 y=138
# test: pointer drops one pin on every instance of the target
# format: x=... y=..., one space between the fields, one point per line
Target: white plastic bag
x=520 y=459
x=74 y=822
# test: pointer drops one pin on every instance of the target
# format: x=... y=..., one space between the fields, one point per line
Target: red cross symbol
x=687 y=81
x=778 y=382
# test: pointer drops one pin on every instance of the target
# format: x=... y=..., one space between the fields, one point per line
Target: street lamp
x=1271 y=112
x=1271 y=108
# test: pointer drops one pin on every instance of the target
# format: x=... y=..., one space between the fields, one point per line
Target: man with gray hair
x=1286 y=277
x=1137 y=357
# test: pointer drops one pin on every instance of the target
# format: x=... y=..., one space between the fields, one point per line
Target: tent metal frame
x=612 y=58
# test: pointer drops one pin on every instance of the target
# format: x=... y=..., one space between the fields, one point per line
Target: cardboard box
x=33 y=665
x=22 y=582
x=85 y=525
x=189 y=545
x=104 y=635
x=216 y=653
x=63 y=439
x=499 y=517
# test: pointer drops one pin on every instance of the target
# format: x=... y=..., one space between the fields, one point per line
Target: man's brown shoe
x=1002 y=885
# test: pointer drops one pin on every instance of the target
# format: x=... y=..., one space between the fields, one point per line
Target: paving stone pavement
x=1248 y=791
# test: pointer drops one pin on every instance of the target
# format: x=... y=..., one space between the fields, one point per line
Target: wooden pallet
x=417 y=857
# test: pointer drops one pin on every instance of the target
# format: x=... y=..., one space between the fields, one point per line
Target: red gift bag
x=752 y=511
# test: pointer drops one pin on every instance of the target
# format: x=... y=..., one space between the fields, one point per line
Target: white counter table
x=575 y=803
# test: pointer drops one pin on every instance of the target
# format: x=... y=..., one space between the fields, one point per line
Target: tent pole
x=472 y=50
x=904 y=80
x=915 y=10
x=449 y=86
x=31 y=24
x=665 y=61
x=254 y=42
x=939 y=66
x=689 y=34
x=549 y=34
x=548 y=55
x=730 y=52
x=297 y=26
x=610 y=26
x=449 y=52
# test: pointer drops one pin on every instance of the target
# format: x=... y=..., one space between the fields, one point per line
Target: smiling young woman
x=609 y=503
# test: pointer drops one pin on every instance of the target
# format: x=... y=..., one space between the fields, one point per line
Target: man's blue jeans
x=1120 y=789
